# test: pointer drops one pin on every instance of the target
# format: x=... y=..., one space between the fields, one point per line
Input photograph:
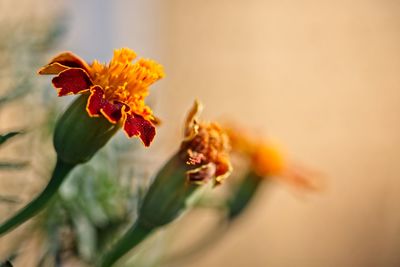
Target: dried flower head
x=203 y=157
x=205 y=147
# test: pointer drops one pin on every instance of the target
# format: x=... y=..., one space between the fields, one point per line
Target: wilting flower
x=202 y=158
x=205 y=147
x=116 y=90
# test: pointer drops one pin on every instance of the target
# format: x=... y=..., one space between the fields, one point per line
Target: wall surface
x=322 y=77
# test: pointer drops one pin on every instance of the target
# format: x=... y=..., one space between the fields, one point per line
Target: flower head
x=266 y=159
x=116 y=90
x=206 y=148
x=202 y=157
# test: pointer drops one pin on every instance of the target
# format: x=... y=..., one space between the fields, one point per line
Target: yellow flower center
x=126 y=81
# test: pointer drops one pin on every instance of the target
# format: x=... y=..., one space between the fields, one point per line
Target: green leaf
x=19 y=90
x=6 y=264
x=6 y=136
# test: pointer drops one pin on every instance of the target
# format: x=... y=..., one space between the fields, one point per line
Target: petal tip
x=72 y=81
x=136 y=125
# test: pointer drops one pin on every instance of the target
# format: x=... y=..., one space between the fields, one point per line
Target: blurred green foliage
x=6 y=264
x=6 y=136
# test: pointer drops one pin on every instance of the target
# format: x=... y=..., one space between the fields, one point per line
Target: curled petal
x=195 y=157
x=113 y=111
x=202 y=174
x=72 y=81
x=62 y=62
x=136 y=125
x=52 y=68
x=97 y=104
x=224 y=169
x=191 y=124
x=155 y=121
x=96 y=101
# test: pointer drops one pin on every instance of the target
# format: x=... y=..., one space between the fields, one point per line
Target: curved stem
x=60 y=172
x=244 y=194
x=135 y=235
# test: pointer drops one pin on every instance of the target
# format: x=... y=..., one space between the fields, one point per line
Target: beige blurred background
x=322 y=77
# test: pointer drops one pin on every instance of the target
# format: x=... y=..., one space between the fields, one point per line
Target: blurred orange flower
x=266 y=159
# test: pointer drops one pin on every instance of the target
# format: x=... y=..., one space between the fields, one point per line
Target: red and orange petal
x=72 y=81
x=136 y=125
x=63 y=61
x=224 y=169
x=97 y=104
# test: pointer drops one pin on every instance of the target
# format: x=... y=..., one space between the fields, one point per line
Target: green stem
x=135 y=235
x=244 y=194
x=60 y=172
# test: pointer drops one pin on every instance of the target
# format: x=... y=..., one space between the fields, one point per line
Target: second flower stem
x=31 y=209
x=135 y=235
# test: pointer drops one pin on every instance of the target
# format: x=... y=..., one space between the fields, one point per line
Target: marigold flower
x=113 y=95
x=116 y=90
x=266 y=159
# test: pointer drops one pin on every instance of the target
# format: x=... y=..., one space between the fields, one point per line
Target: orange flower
x=116 y=90
x=267 y=160
x=206 y=147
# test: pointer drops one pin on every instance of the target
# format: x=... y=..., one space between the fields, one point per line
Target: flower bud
x=168 y=196
x=77 y=136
